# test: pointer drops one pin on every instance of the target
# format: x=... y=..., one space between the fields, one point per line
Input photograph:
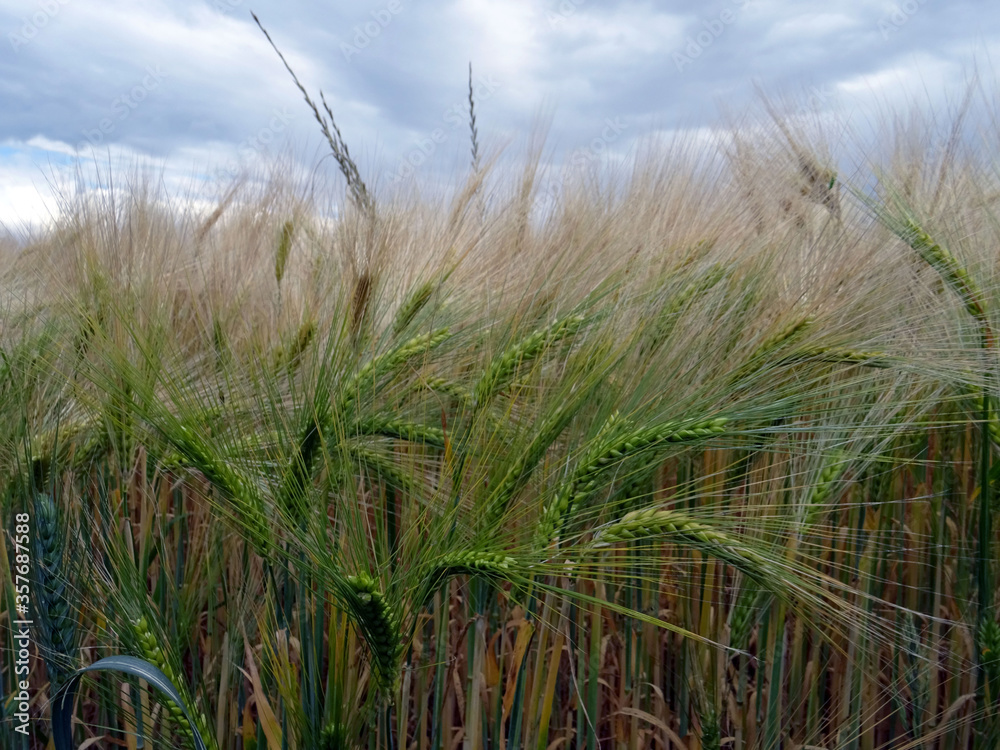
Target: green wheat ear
x=839 y=356
x=388 y=362
x=152 y=652
x=831 y=472
x=291 y=355
x=746 y=613
x=679 y=526
x=504 y=367
x=382 y=425
x=444 y=387
x=994 y=423
x=946 y=264
x=55 y=615
x=494 y=565
x=412 y=306
x=609 y=451
x=378 y=624
x=671 y=311
x=790 y=332
x=284 y=247
x=238 y=489
x=989 y=645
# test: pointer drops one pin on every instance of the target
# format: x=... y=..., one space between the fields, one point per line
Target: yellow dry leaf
x=272 y=730
x=491 y=670
x=128 y=712
x=524 y=632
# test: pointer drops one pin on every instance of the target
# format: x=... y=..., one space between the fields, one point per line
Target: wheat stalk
x=610 y=452
x=472 y=125
x=388 y=362
x=414 y=432
x=55 y=616
x=341 y=154
x=284 y=248
x=151 y=651
x=412 y=305
x=375 y=619
x=503 y=368
x=222 y=474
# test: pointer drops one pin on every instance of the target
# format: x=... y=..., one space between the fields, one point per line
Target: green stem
x=985 y=599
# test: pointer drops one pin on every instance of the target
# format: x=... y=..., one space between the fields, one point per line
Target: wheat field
x=700 y=455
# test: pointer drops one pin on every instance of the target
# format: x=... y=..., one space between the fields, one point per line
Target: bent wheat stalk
x=381 y=425
x=765 y=572
x=610 y=452
x=389 y=362
x=58 y=626
x=953 y=273
x=493 y=565
x=839 y=356
x=152 y=652
x=503 y=368
x=379 y=625
x=412 y=306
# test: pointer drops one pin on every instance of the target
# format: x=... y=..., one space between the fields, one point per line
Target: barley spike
x=611 y=451
x=503 y=368
x=378 y=624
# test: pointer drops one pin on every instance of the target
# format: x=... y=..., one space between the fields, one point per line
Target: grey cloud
x=85 y=65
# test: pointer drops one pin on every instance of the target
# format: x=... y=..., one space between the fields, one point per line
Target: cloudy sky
x=193 y=88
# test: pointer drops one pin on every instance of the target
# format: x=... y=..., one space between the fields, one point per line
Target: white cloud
x=811 y=26
x=506 y=33
x=27 y=198
x=589 y=60
x=619 y=36
x=904 y=80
